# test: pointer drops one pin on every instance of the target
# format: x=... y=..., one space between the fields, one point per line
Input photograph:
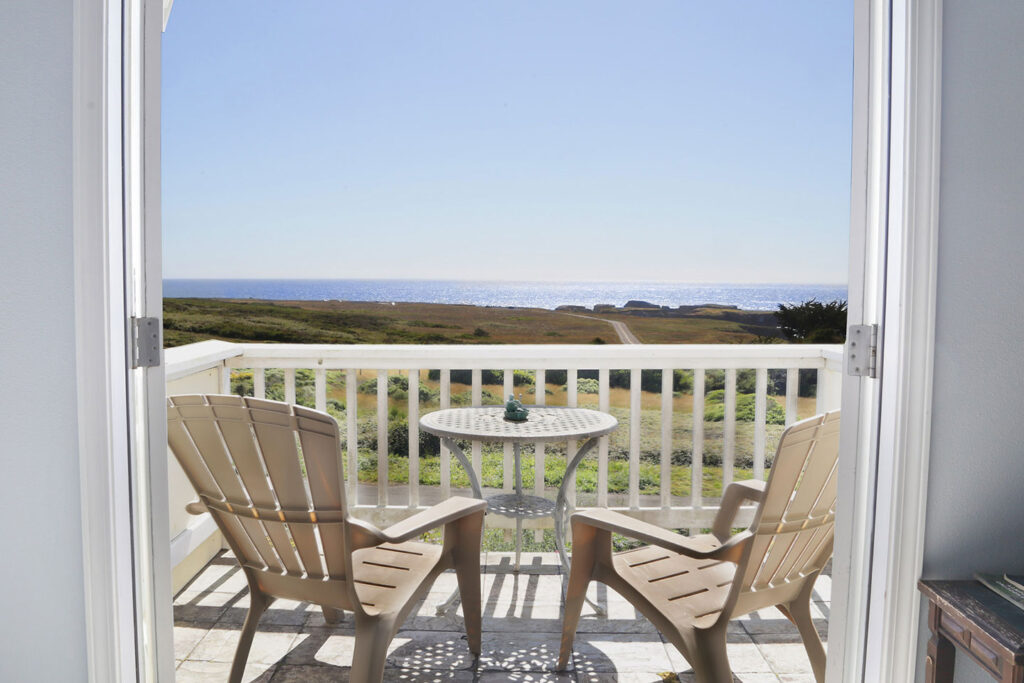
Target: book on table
x=1008 y=589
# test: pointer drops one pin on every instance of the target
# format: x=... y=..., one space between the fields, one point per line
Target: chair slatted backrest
x=794 y=528
x=270 y=473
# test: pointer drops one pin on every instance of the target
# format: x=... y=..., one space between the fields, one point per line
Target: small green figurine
x=514 y=410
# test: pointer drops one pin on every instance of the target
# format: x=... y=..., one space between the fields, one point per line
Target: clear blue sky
x=508 y=139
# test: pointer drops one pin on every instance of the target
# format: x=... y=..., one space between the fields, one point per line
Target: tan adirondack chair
x=691 y=587
x=270 y=475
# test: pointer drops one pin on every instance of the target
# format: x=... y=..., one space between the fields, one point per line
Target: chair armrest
x=196 y=507
x=431 y=518
x=730 y=551
x=420 y=523
x=738 y=493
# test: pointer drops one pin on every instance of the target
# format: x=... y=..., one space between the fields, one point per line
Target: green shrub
x=398 y=388
x=714 y=408
x=520 y=377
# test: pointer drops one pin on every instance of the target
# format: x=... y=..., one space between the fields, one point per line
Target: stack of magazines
x=1009 y=586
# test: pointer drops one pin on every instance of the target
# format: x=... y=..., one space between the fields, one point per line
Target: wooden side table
x=966 y=615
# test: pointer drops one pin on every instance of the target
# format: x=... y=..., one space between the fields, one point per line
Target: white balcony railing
x=656 y=422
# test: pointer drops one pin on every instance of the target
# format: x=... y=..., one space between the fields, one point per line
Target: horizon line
x=426 y=279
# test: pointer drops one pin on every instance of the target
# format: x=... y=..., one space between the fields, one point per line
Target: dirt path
x=626 y=335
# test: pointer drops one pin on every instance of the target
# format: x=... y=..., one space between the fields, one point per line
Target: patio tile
x=784 y=655
x=620 y=652
x=280 y=613
x=530 y=563
x=222 y=575
x=526 y=676
x=737 y=678
x=440 y=650
x=744 y=656
x=770 y=621
x=522 y=602
x=204 y=672
x=521 y=651
x=315 y=619
x=287 y=673
x=201 y=611
x=322 y=647
x=433 y=676
x=627 y=677
x=186 y=638
x=219 y=646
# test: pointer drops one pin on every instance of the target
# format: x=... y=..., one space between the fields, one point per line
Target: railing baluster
x=729 y=429
x=760 y=417
x=697 y=457
x=603 y=403
x=507 y=474
x=382 y=438
x=634 y=439
x=289 y=385
x=571 y=400
x=321 y=390
x=477 y=456
x=352 y=434
x=446 y=456
x=792 y=392
x=259 y=383
x=414 y=438
x=540 y=396
x=819 y=392
x=667 y=375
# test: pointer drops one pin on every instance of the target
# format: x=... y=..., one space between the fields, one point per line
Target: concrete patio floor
x=521 y=632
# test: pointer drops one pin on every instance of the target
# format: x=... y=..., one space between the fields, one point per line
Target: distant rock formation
x=574 y=309
x=640 y=304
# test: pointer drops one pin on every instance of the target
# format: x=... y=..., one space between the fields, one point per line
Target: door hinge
x=147 y=342
x=862 y=351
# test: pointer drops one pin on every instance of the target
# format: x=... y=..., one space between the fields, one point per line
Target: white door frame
x=885 y=467
x=117 y=266
x=101 y=344
x=851 y=564
x=907 y=351
x=116 y=225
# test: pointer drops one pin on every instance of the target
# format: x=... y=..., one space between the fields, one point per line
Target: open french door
x=143 y=21
x=889 y=359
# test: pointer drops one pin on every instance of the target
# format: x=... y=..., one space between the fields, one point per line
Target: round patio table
x=543 y=424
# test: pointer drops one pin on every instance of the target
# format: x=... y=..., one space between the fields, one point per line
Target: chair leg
x=799 y=612
x=258 y=604
x=710 y=658
x=581 y=571
x=370 y=652
x=332 y=616
x=466 y=557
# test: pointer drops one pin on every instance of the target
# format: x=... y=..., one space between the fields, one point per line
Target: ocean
x=493 y=293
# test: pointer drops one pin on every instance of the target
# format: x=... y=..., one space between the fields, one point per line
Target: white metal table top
x=544 y=423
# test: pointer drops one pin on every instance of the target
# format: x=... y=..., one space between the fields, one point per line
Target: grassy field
x=335 y=322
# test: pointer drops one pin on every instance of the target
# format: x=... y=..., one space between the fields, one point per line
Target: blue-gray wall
x=42 y=612
x=976 y=478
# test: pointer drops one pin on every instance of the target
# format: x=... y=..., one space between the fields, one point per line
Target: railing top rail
x=568 y=356
x=182 y=361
